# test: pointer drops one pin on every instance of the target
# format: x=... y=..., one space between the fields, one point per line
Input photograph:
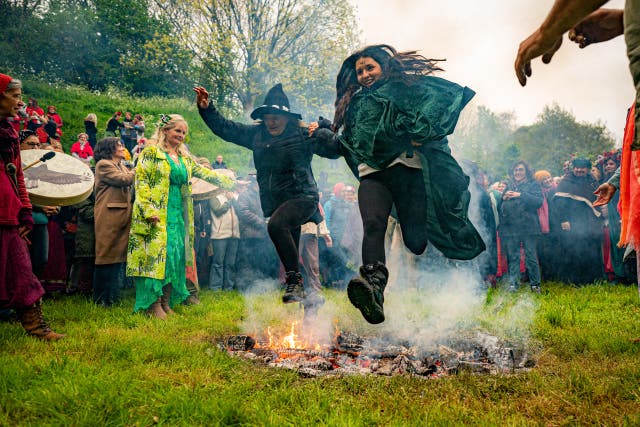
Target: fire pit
x=348 y=354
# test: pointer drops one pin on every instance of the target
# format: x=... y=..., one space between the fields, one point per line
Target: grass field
x=116 y=368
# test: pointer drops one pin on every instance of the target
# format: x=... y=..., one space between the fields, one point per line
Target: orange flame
x=291 y=340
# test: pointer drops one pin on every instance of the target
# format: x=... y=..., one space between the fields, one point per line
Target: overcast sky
x=480 y=38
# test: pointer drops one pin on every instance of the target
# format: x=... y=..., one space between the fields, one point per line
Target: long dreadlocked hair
x=405 y=66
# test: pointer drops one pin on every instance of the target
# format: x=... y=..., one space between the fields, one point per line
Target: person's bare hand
x=51 y=210
x=202 y=96
x=313 y=126
x=533 y=46
x=605 y=192
x=599 y=26
x=23 y=230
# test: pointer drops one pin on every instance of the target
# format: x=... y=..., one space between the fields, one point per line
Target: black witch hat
x=276 y=102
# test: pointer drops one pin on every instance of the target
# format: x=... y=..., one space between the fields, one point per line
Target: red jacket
x=15 y=207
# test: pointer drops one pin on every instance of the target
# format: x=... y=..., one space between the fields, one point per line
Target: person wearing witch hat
x=282 y=153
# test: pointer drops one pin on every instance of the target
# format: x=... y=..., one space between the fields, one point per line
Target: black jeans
x=284 y=229
x=378 y=193
x=108 y=281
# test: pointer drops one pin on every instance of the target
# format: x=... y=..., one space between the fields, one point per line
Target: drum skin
x=201 y=189
x=62 y=180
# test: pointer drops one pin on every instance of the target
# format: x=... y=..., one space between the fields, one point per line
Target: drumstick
x=43 y=159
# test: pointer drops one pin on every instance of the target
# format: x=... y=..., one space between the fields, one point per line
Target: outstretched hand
x=605 y=192
x=533 y=46
x=599 y=26
x=202 y=96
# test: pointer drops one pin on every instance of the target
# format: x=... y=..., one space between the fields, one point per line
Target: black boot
x=366 y=292
x=295 y=288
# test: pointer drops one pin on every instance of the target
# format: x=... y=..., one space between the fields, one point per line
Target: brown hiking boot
x=366 y=292
x=155 y=310
x=33 y=322
x=165 y=298
x=295 y=288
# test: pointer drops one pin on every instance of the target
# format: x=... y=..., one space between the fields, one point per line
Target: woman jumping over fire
x=395 y=118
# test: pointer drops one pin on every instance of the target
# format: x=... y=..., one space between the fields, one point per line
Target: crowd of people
x=147 y=227
x=547 y=228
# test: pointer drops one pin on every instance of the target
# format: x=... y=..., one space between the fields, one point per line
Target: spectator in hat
x=579 y=226
x=547 y=246
x=19 y=287
x=82 y=149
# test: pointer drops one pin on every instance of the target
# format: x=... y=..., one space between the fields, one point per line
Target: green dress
x=148 y=289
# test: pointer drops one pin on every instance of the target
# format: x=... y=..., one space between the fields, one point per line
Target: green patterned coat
x=146 y=252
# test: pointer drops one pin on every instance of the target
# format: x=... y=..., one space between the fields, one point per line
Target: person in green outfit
x=160 y=255
x=395 y=117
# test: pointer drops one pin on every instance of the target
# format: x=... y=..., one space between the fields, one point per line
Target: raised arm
x=228 y=130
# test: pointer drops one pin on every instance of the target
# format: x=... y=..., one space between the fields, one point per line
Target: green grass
x=117 y=368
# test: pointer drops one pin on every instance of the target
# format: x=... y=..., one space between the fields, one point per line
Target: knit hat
x=276 y=102
x=581 y=163
x=541 y=175
x=4 y=82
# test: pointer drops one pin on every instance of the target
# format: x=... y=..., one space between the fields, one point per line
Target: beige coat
x=112 y=212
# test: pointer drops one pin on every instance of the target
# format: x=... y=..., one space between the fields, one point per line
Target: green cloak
x=380 y=125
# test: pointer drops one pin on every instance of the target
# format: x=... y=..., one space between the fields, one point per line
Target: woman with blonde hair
x=91 y=128
x=161 y=241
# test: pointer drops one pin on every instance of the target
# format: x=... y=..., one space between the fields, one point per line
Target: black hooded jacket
x=283 y=163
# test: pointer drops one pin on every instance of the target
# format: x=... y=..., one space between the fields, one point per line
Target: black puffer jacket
x=519 y=216
x=283 y=163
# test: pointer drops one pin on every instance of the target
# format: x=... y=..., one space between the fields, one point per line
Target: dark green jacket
x=380 y=124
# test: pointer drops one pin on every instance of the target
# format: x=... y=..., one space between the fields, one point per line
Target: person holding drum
x=19 y=287
x=112 y=218
x=160 y=254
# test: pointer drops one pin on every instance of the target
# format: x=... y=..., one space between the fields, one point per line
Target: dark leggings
x=400 y=186
x=284 y=229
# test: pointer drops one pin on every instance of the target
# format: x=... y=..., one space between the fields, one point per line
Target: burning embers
x=352 y=354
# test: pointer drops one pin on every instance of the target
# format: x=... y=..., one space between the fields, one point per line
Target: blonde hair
x=158 y=137
x=92 y=118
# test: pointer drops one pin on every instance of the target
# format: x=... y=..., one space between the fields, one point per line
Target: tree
x=485 y=137
x=556 y=135
x=95 y=43
x=245 y=46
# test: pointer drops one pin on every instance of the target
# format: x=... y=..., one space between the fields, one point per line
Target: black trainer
x=366 y=293
x=295 y=288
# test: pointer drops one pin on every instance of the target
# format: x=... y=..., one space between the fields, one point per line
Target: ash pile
x=351 y=354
